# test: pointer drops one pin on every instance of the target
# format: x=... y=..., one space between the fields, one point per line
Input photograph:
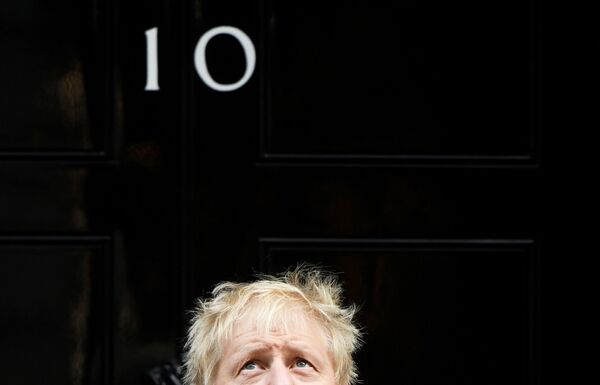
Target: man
x=284 y=330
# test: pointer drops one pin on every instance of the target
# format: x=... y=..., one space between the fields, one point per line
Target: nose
x=279 y=374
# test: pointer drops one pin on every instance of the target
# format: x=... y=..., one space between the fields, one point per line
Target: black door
x=397 y=143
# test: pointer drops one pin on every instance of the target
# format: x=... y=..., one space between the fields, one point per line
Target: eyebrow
x=252 y=348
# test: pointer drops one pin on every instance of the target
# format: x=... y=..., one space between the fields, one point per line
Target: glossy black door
x=88 y=197
x=398 y=143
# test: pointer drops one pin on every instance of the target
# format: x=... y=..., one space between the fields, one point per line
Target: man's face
x=299 y=356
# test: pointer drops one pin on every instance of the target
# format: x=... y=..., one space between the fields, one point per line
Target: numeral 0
x=200 y=58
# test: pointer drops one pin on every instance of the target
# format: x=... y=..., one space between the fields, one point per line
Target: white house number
x=200 y=58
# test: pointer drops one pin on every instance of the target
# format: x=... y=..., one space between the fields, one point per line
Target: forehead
x=289 y=333
x=259 y=332
x=265 y=318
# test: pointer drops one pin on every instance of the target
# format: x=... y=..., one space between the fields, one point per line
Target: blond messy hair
x=271 y=298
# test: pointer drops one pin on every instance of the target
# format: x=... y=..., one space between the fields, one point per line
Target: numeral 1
x=152 y=60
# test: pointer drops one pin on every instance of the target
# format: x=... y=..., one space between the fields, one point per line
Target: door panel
x=404 y=80
x=54 y=79
x=55 y=305
x=433 y=311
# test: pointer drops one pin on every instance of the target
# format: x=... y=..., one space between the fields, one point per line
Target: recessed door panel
x=399 y=80
x=459 y=312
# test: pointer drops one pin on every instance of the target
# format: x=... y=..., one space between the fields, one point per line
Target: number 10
x=200 y=58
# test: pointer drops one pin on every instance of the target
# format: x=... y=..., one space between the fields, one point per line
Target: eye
x=302 y=363
x=250 y=365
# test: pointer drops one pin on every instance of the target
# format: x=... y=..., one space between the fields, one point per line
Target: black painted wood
x=443 y=311
x=401 y=83
x=56 y=304
x=448 y=166
x=56 y=74
x=398 y=139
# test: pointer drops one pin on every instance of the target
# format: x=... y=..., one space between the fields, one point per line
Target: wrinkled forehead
x=278 y=317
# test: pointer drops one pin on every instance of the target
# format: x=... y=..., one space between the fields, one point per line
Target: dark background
x=398 y=143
